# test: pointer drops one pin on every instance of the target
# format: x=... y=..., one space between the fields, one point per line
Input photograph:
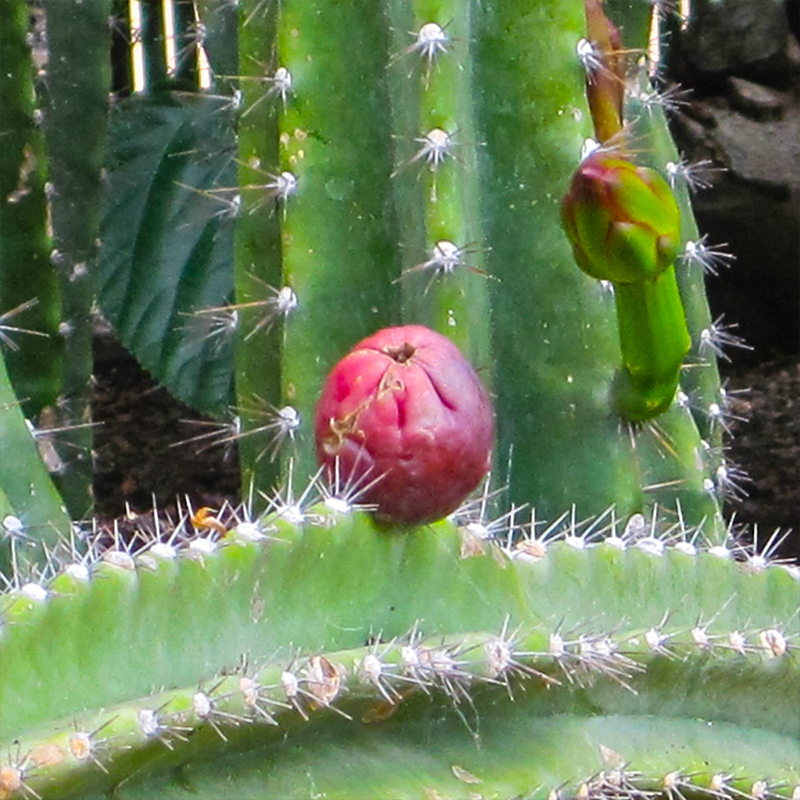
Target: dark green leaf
x=167 y=238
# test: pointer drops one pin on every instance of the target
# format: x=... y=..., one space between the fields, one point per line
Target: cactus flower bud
x=622 y=220
x=406 y=416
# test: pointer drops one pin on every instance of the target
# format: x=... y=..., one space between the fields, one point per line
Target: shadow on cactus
x=587 y=625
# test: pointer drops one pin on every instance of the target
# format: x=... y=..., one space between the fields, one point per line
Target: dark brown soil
x=767 y=446
x=140 y=455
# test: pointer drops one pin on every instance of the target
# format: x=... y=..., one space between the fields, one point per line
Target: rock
x=755 y=208
x=756 y=101
x=766 y=155
x=746 y=38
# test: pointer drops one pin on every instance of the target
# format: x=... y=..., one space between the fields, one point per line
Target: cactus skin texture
x=405 y=421
x=420 y=660
x=433 y=200
x=626 y=647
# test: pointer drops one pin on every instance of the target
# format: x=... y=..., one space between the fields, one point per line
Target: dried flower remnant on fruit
x=405 y=415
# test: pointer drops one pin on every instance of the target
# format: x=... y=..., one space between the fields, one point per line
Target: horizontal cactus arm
x=81 y=648
x=527 y=749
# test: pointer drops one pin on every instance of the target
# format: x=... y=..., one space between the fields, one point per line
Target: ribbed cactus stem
x=339 y=254
x=29 y=291
x=76 y=108
x=326 y=182
x=435 y=182
x=556 y=338
x=264 y=646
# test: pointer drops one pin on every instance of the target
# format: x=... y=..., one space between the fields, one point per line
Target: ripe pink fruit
x=405 y=409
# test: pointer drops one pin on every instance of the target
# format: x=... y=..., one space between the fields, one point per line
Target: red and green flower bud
x=622 y=220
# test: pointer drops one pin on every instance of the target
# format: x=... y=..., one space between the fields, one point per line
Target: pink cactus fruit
x=405 y=416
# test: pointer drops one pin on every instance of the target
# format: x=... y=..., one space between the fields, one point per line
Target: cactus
x=28 y=288
x=587 y=626
x=76 y=110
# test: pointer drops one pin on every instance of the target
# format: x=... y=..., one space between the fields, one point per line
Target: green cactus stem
x=546 y=313
x=77 y=39
x=29 y=291
x=614 y=650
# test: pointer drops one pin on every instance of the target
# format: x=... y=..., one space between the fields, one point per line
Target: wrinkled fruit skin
x=622 y=220
x=406 y=408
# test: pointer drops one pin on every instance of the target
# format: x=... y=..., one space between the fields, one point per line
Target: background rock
x=737 y=37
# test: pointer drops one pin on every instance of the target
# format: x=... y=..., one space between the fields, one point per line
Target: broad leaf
x=166 y=240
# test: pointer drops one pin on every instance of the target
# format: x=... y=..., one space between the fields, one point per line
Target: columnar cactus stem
x=339 y=252
x=76 y=109
x=26 y=274
x=435 y=182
